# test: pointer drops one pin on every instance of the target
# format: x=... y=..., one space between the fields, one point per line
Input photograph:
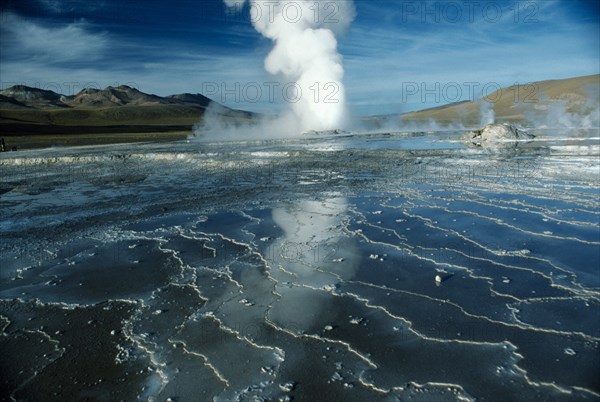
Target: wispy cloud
x=63 y=6
x=26 y=40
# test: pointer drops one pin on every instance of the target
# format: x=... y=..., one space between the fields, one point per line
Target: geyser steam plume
x=305 y=55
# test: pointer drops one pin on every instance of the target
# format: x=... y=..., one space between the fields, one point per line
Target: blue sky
x=398 y=55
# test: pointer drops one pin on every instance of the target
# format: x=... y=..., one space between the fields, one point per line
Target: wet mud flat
x=354 y=268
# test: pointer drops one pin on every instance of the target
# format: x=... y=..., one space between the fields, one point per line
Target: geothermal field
x=394 y=239
x=355 y=267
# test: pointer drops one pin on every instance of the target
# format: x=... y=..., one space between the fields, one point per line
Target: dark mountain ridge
x=21 y=96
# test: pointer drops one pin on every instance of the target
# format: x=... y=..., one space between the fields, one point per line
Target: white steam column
x=305 y=55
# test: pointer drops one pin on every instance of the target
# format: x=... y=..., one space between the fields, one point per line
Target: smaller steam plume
x=486 y=114
x=570 y=114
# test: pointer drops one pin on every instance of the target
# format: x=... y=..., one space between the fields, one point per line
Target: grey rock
x=496 y=133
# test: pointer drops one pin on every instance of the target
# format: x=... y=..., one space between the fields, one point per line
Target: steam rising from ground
x=574 y=112
x=486 y=114
x=305 y=55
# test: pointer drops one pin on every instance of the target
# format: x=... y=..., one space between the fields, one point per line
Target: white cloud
x=62 y=6
x=75 y=42
x=234 y=3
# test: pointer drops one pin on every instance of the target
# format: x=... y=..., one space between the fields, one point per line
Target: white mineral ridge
x=497 y=132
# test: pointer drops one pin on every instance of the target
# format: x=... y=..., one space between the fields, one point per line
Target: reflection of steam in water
x=310 y=220
x=312 y=253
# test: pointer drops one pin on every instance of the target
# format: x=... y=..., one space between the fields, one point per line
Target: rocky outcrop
x=337 y=131
x=496 y=135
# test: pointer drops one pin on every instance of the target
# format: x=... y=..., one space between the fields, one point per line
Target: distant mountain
x=111 y=97
x=196 y=99
x=10 y=103
x=517 y=103
x=26 y=111
x=20 y=96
